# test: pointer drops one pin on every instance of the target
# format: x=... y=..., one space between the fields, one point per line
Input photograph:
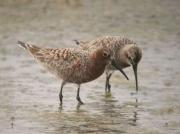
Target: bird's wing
x=108 y=41
x=99 y=42
x=54 y=57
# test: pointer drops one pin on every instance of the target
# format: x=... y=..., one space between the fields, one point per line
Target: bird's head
x=104 y=54
x=130 y=55
x=134 y=55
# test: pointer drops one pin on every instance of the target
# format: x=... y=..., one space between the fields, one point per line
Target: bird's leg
x=108 y=86
x=78 y=97
x=60 y=93
x=106 y=83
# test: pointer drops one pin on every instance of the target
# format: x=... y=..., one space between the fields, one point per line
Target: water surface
x=29 y=95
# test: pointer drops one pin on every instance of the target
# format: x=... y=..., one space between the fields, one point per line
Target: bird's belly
x=79 y=77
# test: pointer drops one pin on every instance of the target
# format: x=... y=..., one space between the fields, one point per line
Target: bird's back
x=111 y=42
x=71 y=65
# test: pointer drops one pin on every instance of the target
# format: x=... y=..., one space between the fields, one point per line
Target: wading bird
x=125 y=53
x=71 y=65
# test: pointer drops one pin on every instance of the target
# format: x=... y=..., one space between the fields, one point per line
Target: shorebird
x=124 y=51
x=71 y=65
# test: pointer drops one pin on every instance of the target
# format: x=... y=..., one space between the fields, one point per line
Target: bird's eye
x=129 y=58
x=105 y=54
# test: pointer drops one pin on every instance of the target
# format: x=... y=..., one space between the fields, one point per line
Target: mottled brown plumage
x=124 y=51
x=71 y=65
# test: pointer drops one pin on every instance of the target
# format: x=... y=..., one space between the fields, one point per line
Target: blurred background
x=29 y=95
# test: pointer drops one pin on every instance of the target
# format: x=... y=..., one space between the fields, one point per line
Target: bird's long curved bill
x=114 y=64
x=135 y=74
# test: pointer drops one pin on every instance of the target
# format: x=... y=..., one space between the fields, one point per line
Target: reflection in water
x=60 y=108
x=135 y=113
x=110 y=116
x=78 y=107
x=108 y=94
x=12 y=122
x=112 y=109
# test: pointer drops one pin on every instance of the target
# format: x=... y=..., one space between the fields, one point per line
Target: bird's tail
x=76 y=41
x=31 y=48
x=22 y=44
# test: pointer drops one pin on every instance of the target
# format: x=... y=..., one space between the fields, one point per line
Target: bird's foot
x=79 y=100
x=60 y=99
x=109 y=88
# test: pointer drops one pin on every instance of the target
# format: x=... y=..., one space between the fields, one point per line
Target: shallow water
x=29 y=95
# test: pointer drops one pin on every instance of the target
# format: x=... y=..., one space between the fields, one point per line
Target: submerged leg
x=60 y=93
x=108 y=86
x=106 y=83
x=78 y=97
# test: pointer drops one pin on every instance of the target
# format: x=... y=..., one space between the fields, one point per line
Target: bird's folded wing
x=57 y=57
